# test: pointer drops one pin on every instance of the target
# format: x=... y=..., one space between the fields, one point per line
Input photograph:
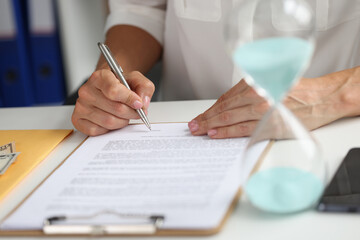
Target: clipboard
x=34 y=146
x=57 y=226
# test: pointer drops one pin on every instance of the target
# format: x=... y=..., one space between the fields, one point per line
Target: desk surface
x=246 y=222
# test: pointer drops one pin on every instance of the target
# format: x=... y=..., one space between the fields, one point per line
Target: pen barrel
x=118 y=72
x=122 y=79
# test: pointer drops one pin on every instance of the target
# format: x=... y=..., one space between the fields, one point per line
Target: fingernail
x=137 y=104
x=212 y=132
x=146 y=101
x=193 y=125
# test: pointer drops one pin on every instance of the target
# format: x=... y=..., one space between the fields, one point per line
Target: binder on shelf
x=15 y=72
x=45 y=52
x=1 y=101
x=1 y=97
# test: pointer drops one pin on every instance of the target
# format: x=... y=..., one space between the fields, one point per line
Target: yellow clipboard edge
x=18 y=176
x=4 y=233
x=160 y=232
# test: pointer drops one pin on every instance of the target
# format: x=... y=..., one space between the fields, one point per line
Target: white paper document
x=189 y=180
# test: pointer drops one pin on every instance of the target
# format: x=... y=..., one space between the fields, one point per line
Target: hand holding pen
x=106 y=104
x=117 y=70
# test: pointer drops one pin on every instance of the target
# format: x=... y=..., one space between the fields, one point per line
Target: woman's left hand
x=235 y=114
x=314 y=101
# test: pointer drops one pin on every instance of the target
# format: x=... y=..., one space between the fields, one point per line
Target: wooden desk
x=246 y=222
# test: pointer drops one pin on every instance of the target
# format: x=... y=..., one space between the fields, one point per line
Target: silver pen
x=117 y=70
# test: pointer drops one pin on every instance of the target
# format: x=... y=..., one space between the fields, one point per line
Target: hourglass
x=271 y=42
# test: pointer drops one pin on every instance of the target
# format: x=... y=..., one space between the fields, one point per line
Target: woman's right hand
x=105 y=104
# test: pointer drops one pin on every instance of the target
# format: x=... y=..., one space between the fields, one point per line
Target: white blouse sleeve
x=148 y=15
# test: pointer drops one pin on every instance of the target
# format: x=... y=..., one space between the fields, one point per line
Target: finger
x=230 y=117
x=99 y=117
x=238 y=96
x=226 y=101
x=237 y=89
x=235 y=102
x=87 y=127
x=243 y=129
x=93 y=97
x=109 y=85
x=142 y=86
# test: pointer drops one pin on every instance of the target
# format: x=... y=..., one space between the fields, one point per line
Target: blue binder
x=1 y=101
x=15 y=74
x=45 y=52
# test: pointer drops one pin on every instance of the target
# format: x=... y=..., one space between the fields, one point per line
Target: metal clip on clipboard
x=74 y=225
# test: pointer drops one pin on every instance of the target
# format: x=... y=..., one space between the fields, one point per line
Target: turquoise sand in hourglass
x=274 y=64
